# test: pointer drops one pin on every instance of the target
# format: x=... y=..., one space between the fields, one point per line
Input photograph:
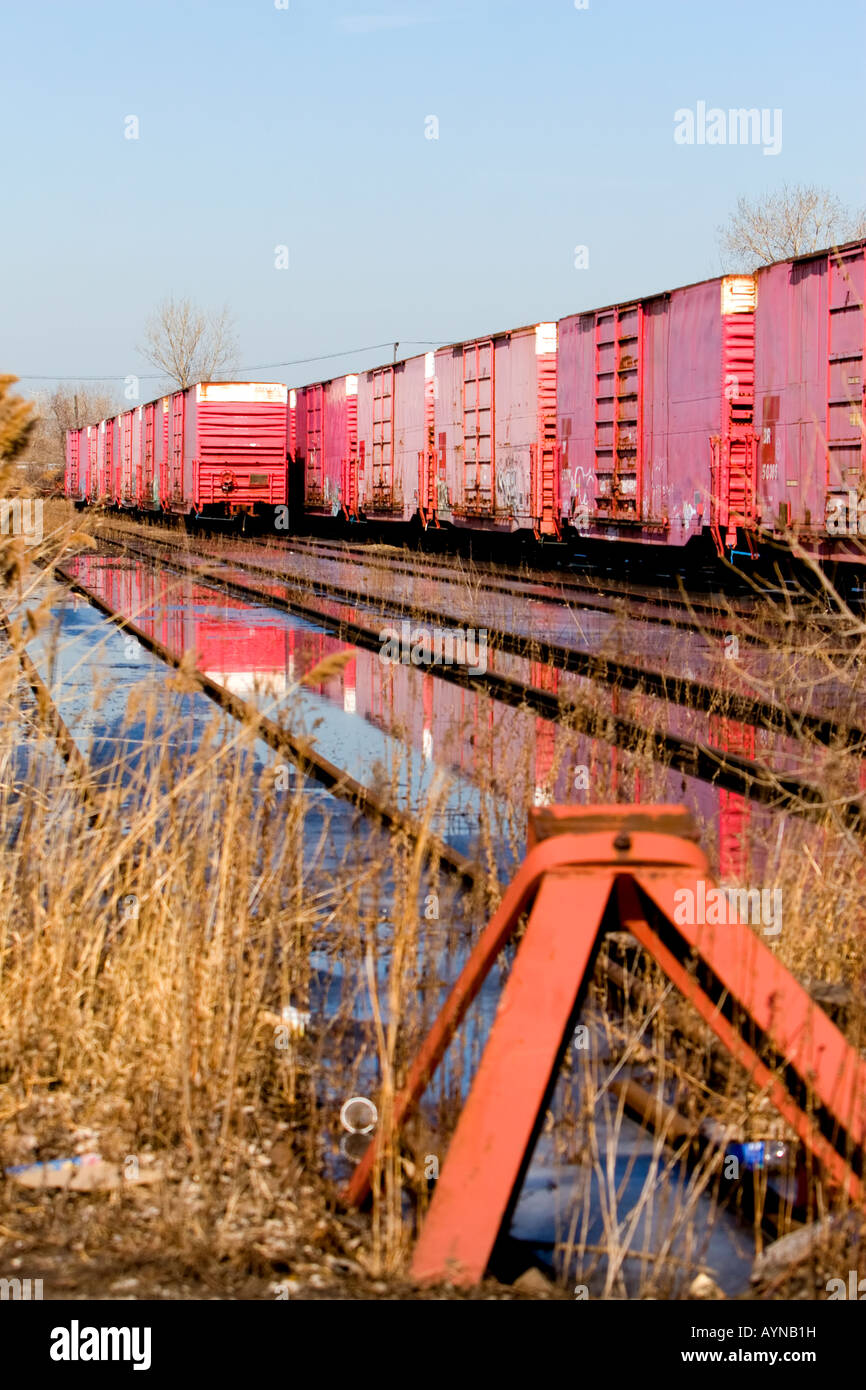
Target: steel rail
x=730 y=771
x=300 y=752
x=679 y=690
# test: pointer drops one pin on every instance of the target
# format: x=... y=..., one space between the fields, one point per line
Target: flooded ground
x=406 y=729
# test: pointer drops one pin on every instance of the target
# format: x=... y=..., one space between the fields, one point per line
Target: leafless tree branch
x=790 y=222
x=69 y=406
x=190 y=344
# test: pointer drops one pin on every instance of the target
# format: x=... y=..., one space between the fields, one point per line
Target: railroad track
x=732 y=772
x=684 y=691
x=300 y=752
x=681 y=614
x=490 y=577
x=687 y=613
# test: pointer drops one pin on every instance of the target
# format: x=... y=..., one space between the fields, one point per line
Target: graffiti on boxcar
x=332 y=495
x=507 y=495
x=581 y=486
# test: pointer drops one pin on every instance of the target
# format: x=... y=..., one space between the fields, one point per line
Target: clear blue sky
x=305 y=126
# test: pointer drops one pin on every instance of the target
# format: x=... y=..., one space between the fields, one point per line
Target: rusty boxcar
x=360 y=440
x=104 y=456
x=655 y=415
x=495 y=425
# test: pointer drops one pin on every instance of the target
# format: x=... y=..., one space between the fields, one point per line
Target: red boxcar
x=122 y=487
x=655 y=415
x=809 y=362
x=465 y=435
x=391 y=439
x=359 y=439
x=90 y=438
x=214 y=449
x=733 y=406
x=73 y=479
x=234 y=451
x=495 y=423
x=146 y=495
x=326 y=434
x=104 y=456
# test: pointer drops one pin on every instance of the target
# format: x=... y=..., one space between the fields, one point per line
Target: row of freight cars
x=732 y=408
x=213 y=449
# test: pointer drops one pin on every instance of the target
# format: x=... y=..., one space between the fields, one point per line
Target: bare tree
x=190 y=344
x=791 y=222
x=69 y=406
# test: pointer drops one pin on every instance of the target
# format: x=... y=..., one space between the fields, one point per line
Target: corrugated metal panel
x=165 y=451
x=242 y=436
x=92 y=464
x=73 y=476
x=105 y=454
x=618 y=410
x=733 y=501
x=382 y=442
x=144 y=491
x=810 y=348
x=124 y=491
x=479 y=444
x=335 y=440
x=92 y=471
x=393 y=431
x=131 y=498
x=427 y=459
x=681 y=410
x=314 y=396
x=176 y=421
x=349 y=461
x=846 y=346
x=292 y=441
x=487 y=422
x=414 y=427
x=791 y=357
x=240 y=443
x=116 y=460
x=639 y=398
x=544 y=459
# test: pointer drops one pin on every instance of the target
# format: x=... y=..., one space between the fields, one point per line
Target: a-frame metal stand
x=590 y=870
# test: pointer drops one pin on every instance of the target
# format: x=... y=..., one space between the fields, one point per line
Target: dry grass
x=152 y=938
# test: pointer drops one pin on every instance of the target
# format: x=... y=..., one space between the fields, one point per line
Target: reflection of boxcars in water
x=244 y=657
x=233 y=644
